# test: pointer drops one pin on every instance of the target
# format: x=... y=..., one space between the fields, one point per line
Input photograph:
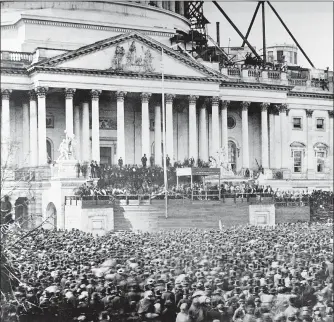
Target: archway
x=51 y=215
x=232 y=155
x=21 y=211
x=49 y=150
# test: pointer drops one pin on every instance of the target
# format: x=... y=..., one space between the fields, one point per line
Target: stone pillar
x=245 y=143
x=145 y=125
x=159 y=4
x=224 y=134
x=310 y=151
x=181 y=8
x=33 y=136
x=41 y=94
x=215 y=125
x=69 y=93
x=5 y=129
x=277 y=142
x=25 y=131
x=330 y=152
x=120 y=126
x=95 y=94
x=193 y=141
x=157 y=134
x=203 y=134
x=284 y=142
x=85 y=141
x=272 y=139
x=169 y=127
x=77 y=132
x=264 y=136
x=172 y=6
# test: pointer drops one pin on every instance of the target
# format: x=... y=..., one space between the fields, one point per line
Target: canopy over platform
x=186 y=172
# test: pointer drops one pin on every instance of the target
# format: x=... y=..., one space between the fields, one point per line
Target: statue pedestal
x=66 y=169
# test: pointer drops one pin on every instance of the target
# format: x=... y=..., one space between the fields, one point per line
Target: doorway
x=232 y=155
x=105 y=155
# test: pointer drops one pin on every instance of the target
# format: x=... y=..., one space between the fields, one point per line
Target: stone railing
x=16 y=56
x=273 y=74
x=233 y=72
x=254 y=73
x=298 y=82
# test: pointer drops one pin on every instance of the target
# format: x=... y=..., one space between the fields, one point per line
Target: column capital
x=225 y=104
x=282 y=108
x=215 y=100
x=145 y=97
x=245 y=105
x=331 y=114
x=170 y=98
x=69 y=93
x=192 y=99
x=120 y=96
x=41 y=91
x=309 y=113
x=32 y=95
x=264 y=106
x=95 y=94
x=5 y=94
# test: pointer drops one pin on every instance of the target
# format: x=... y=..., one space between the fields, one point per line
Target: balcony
x=15 y=59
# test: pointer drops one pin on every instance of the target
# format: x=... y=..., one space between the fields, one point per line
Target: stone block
x=262 y=215
x=286 y=174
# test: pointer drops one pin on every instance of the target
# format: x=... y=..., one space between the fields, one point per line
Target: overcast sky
x=311 y=23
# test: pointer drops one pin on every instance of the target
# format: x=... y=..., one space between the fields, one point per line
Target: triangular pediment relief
x=132 y=53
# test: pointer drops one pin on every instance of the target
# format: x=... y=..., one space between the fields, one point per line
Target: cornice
x=271 y=87
x=14 y=71
x=118 y=74
x=311 y=95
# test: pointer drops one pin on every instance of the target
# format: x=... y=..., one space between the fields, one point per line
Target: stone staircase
x=181 y=214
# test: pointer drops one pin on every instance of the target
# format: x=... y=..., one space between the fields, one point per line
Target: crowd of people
x=243 y=273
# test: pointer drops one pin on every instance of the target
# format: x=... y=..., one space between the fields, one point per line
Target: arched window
x=49 y=150
x=232 y=155
x=320 y=153
x=298 y=154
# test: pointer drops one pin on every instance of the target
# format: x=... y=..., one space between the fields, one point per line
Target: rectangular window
x=295 y=58
x=297 y=161
x=290 y=57
x=279 y=55
x=320 y=161
x=297 y=123
x=320 y=124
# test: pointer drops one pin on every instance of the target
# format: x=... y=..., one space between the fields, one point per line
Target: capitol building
x=99 y=70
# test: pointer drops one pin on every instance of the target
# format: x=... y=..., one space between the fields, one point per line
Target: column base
x=310 y=174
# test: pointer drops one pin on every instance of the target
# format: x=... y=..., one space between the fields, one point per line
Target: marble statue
x=66 y=148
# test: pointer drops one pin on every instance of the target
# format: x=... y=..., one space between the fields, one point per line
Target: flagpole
x=164 y=132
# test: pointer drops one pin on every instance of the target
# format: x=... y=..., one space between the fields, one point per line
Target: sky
x=311 y=23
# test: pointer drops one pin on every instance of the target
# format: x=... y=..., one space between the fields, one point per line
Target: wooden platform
x=193 y=214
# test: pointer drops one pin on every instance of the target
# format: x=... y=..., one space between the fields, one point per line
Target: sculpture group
x=66 y=148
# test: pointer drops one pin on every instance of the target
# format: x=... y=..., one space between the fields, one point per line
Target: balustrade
x=233 y=71
x=274 y=74
x=254 y=73
x=16 y=56
x=298 y=82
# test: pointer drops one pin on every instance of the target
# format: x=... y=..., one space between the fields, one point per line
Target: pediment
x=131 y=53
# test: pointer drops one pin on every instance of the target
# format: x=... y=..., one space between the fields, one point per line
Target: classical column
x=284 y=144
x=215 y=125
x=193 y=142
x=41 y=98
x=181 y=8
x=203 y=133
x=5 y=128
x=277 y=142
x=245 y=146
x=77 y=132
x=310 y=151
x=85 y=141
x=120 y=126
x=157 y=134
x=145 y=125
x=95 y=94
x=169 y=127
x=25 y=131
x=330 y=152
x=224 y=128
x=272 y=138
x=69 y=93
x=33 y=136
x=264 y=136
x=172 y=6
x=159 y=4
